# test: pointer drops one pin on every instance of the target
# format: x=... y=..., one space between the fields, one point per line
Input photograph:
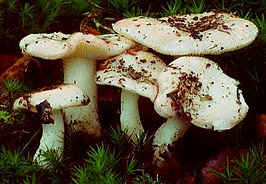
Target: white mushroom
x=206 y=33
x=79 y=53
x=195 y=89
x=168 y=133
x=135 y=75
x=48 y=102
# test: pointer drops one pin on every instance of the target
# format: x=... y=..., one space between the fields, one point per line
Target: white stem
x=81 y=72
x=52 y=138
x=168 y=133
x=129 y=117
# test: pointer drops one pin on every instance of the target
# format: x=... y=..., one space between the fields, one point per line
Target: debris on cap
x=58 y=97
x=58 y=45
x=46 y=45
x=194 y=34
x=136 y=73
x=195 y=89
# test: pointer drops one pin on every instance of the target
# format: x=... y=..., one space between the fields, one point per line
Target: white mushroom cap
x=206 y=33
x=195 y=89
x=46 y=45
x=99 y=47
x=59 y=97
x=58 y=45
x=136 y=73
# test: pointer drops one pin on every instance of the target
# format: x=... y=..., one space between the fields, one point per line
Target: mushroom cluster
x=189 y=90
x=192 y=90
x=79 y=53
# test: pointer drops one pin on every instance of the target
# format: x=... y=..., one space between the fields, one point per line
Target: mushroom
x=136 y=75
x=79 y=53
x=195 y=90
x=194 y=34
x=169 y=132
x=48 y=102
x=206 y=33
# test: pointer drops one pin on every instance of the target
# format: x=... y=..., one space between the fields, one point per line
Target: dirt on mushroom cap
x=136 y=73
x=59 y=97
x=207 y=33
x=195 y=89
x=58 y=45
x=45 y=45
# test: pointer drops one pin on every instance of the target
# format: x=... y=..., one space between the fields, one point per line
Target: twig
x=30 y=140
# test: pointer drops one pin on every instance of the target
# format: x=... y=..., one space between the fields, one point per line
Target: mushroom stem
x=81 y=72
x=168 y=133
x=129 y=118
x=52 y=139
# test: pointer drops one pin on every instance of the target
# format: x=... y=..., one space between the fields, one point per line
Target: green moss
x=15 y=168
x=249 y=168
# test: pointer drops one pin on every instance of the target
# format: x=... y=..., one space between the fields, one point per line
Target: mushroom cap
x=195 y=89
x=136 y=73
x=45 y=45
x=58 y=97
x=58 y=45
x=206 y=33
